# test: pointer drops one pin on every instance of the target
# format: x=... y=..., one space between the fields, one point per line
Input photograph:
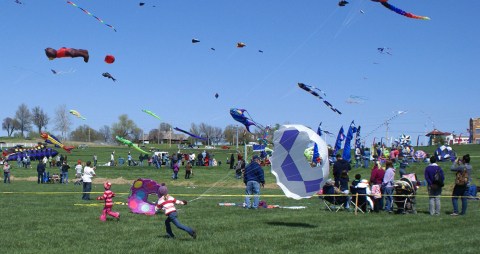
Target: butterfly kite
x=315 y=92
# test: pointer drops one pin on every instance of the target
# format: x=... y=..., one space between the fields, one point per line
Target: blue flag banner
x=347 y=154
x=358 y=143
x=319 y=130
x=338 y=143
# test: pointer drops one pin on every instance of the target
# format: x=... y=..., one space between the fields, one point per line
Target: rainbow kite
x=87 y=12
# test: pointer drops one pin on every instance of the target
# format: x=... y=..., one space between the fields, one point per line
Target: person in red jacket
x=108 y=197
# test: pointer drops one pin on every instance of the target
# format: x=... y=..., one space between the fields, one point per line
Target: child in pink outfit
x=108 y=197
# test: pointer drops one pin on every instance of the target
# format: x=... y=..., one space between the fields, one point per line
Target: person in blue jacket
x=253 y=177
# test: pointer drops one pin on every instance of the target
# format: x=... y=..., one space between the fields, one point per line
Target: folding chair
x=332 y=202
x=362 y=203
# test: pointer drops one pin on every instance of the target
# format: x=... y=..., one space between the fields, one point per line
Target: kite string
x=223 y=179
x=292 y=53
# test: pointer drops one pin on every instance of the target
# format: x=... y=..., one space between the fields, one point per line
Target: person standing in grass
x=434 y=189
x=94 y=160
x=166 y=203
x=88 y=174
x=175 y=170
x=376 y=178
x=388 y=183
x=40 y=172
x=188 y=170
x=64 y=178
x=253 y=178
x=463 y=171
x=6 y=172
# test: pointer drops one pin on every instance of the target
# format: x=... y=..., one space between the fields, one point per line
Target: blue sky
x=432 y=72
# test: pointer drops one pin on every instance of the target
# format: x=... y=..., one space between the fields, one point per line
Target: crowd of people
x=382 y=184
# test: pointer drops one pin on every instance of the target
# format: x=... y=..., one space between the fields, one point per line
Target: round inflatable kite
x=109 y=59
x=297 y=176
x=138 y=199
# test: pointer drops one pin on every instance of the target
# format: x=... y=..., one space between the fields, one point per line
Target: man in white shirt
x=88 y=174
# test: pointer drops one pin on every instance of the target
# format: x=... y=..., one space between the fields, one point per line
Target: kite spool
x=138 y=200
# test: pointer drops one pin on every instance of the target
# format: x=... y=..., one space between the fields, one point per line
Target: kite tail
x=248 y=124
x=68 y=148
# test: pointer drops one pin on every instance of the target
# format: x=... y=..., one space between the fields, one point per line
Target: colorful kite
x=55 y=141
x=138 y=199
x=313 y=90
x=399 y=11
x=130 y=144
x=34 y=153
x=77 y=114
x=67 y=52
x=87 y=12
x=109 y=59
x=151 y=113
x=188 y=133
x=294 y=173
x=108 y=75
x=241 y=44
x=240 y=115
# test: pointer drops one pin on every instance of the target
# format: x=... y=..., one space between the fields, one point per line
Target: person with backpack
x=435 y=179
x=463 y=171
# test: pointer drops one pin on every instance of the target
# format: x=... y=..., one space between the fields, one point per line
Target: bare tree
x=40 y=118
x=63 y=121
x=125 y=128
x=24 y=119
x=10 y=125
x=153 y=134
x=85 y=133
x=230 y=133
x=106 y=133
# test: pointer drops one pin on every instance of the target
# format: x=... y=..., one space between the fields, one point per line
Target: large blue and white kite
x=295 y=174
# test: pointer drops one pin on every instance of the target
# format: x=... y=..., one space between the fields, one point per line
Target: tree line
x=31 y=122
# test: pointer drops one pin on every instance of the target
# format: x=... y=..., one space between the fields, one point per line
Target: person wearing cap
x=252 y=178
x=6 y=172
x=108 y=197
x=166 y=203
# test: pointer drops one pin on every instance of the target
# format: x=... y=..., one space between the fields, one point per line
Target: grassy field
x=52 y=218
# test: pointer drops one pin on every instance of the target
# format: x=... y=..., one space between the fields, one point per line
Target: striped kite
x=399 y=11
x=313 y=90
x=87 y=12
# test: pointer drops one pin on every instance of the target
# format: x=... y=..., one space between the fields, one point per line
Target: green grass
x=47 y=218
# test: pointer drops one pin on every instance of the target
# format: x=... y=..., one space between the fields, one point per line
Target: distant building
x=435 y=137
x=474 y=130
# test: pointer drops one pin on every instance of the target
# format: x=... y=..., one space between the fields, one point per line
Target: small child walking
x=188 y=170
x=166 y=203
x=108 y=197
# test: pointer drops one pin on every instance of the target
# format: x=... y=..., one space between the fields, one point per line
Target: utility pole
x=236 y=128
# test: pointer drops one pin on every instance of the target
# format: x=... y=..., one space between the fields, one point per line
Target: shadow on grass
x=290 y=224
